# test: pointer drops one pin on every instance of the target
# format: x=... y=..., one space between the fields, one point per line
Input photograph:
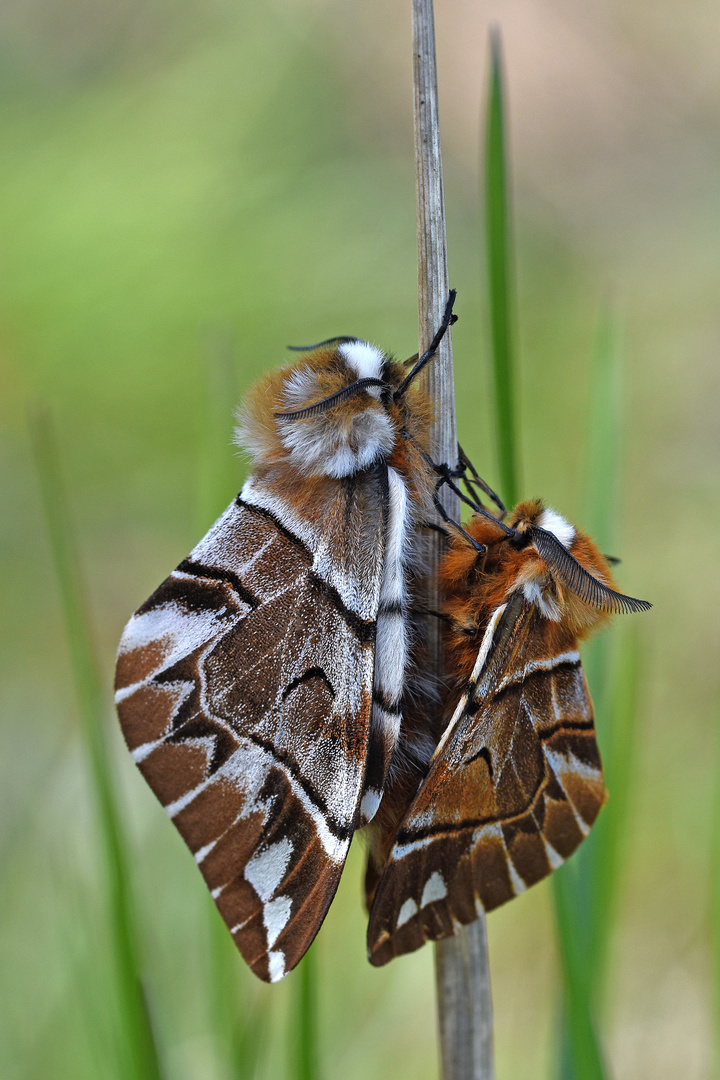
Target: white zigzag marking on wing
x=554 y=858
x=353 y=593
x=276 y=965
x=399 y=851
x=266 y=869
x=517 y=882
x=406 y=912
x=435 y=889
x=203 y=851
x=171 y=624
x=248 y=767
x=486 y=831
x=476 y=672
x=204 y=742
x=141 y=752
x=276 y=916
x=545 y=663
x=560 y=766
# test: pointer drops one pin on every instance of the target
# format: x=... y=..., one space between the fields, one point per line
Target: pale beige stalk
x=462 y=971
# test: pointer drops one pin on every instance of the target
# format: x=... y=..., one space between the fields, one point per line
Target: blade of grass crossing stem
x=303 y=1046
x=602 y=486
x=239 y=1013
x=137 y=1035
x=600 y=518
x=619 y=759
x=583 y=1048
x=605 y=435
x=580 y=1049
x=584 y=890
x=715 y=899
x=499 y=277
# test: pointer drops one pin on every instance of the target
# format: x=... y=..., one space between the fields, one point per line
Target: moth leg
x=447 y=321
x=466 y=466
x=455 y=526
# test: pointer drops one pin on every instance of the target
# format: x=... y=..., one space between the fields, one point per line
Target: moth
x=515 y=781
x=259 y=687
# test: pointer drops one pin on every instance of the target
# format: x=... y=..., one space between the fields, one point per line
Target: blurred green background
x=184 y=190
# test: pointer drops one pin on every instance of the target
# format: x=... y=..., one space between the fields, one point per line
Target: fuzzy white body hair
x=363 y=358
x=320 y=445
x=556 y=524
x=391 y=646
x=536 y=593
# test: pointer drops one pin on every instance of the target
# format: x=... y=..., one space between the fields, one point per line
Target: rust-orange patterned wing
x=513 y=787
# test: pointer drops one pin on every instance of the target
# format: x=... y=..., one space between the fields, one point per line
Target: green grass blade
x=218 y=467
x=581 y=1057
x=585 y=892
x=604 y=448
x=619 y=762
x=239 y=1022
x=715 y=903
x=137 y=1034
x=499 y=276
x=303 y=1045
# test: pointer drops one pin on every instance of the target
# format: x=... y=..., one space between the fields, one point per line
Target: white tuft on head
x=363 y=358
x=554 y=523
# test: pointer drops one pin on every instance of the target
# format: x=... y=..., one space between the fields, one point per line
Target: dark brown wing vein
x=512 y=793
x=244 y=689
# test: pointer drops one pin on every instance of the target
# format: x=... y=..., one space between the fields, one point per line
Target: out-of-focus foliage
x=184 y=182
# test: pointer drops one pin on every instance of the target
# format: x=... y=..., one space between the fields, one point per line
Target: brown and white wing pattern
x=513 y=787
x=244 y=689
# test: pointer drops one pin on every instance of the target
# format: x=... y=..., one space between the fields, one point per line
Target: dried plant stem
x=463 y=979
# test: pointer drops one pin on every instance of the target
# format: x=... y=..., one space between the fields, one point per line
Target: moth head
x=326 y=415
x=557 y=568
x=343 y=408
x=567 y=576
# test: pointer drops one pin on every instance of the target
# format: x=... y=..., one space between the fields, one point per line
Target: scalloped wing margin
x=512 y=792
x=244 y=690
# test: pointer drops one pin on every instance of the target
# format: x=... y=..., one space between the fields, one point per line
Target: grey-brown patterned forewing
x=513 y=788
x=244 y=689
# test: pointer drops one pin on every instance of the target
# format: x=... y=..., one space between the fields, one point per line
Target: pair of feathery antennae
x=363 y=384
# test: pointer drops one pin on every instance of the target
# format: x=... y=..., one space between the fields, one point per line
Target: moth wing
x=244 y=690
x=511 y=792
